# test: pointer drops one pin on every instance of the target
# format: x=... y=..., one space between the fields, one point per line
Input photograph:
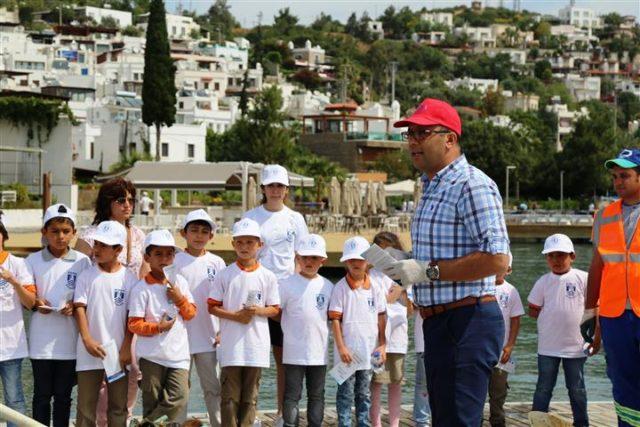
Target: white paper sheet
x=252 y=298
x=111 y=362
x=509 y=367
x=170 y=274
x=341 y=372
x=378 y=257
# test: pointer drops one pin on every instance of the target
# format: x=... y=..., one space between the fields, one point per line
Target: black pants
x=53 y=379
x=293 y=377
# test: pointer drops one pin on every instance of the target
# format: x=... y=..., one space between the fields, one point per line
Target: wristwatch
x=433 y=272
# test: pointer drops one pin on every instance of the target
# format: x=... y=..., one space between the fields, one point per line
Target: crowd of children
x=193 y=310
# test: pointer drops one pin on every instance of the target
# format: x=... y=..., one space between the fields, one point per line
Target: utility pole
x=394 y=66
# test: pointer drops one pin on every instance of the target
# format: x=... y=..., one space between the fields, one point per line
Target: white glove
x=408 y=271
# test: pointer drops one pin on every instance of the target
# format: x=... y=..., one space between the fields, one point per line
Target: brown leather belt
x=432 y=310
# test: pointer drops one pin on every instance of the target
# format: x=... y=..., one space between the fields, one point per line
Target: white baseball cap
x=558 y=243
x=312 y=245
x=246 y=227
x=110 y=233
x=274 y=173
x=198 y=215
x=353 y=248
x=159 y=238
x=58 y=211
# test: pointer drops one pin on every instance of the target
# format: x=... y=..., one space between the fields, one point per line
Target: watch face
x=433 y=273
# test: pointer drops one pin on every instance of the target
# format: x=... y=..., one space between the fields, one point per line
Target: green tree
x=158 y=87
x=284 y=21
x=132 y=31
x=109 y=22
x=220 y=18
x=493 y=103
x=542 y=70
x=629 y=106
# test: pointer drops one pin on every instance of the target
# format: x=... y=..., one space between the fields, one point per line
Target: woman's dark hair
x=112 y=190
x=3 y=230
x=390 y=238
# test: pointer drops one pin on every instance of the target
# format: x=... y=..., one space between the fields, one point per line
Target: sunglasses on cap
x=421 y=134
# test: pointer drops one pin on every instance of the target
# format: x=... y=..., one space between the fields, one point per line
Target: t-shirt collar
x=3 y=256
x=248 y=269
x=71 y=255
x=353 y=284
x=447 y=173
x=151 y=280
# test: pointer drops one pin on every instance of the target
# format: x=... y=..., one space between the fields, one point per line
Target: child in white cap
x=53 y=334
x=200 y=267
x=557 y=301
x=304 y=300
x=159 y=307
x=511 y=307
x=357 y=310
x=101 y=301
x=243 y=296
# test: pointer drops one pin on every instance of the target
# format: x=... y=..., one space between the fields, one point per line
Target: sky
x=246 y=11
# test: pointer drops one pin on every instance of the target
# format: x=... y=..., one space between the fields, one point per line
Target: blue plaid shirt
x=460 y=212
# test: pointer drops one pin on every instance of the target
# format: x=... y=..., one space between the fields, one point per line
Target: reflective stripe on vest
x=621 y=264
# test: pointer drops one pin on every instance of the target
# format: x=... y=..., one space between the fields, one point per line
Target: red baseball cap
x=433 y=112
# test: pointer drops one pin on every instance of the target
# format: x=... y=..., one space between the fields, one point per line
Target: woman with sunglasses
x=281 y=229
x=115 y=202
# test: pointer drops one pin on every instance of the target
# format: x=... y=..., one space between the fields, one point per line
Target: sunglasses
x=123 y=200
x=421 y=134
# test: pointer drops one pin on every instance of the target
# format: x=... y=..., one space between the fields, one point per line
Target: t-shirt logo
x=211 y=273
x=371 y=303
x=570 y=290
x=71 y=280
x=320 y=300
x=118 y=296
x=291 y=234
x=503 y=300
x=4 y=285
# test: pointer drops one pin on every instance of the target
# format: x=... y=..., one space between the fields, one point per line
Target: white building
x=9 y=16
x=566 y=118
x=180 y=142
x=629 y=86
x=308 y=56
x=478 y=36
x=443 y=18
x=202 y=106
x=375 y=28
x=432 y=37
x=121 y=17
x=520 y=101
x=178 y=26
x=583 y=88
x=580 y=16
x=574 y=35
x=481 y=85
x=236 y=52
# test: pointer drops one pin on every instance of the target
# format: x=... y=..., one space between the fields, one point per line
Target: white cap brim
x=312 y=253
x=275 y=180
x=351 y=256
x=211 y=223
x=564 y=250
x=107 y=240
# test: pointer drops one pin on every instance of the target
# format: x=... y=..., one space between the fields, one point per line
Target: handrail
x=12 y=416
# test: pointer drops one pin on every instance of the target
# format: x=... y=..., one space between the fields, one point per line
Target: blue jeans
x=461 y=348
x=621 y=337
x=548 y=367
x=421 y=409
x=358 y=383
x=11 y=375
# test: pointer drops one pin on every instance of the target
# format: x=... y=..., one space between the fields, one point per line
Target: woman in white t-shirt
x=281 y=228
x=116 y=202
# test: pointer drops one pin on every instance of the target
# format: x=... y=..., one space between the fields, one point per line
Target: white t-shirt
x=281 y=232
x=562 y=300
x=397 y=330
x=360 y=309
x=145 y=203
x=150 y=301
x=200 y=273
x=304 y=304
x=53 y=335
x=106 y=297
x=510 y=306
x=240 y=344
x=13 y=338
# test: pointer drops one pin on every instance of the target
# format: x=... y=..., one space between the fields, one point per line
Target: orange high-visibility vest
x=621 y=272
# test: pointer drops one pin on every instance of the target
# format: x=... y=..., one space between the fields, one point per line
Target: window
x=165 y=149
x=181 y=105
x=216 y=86
x=173 y=30
x=132 y=147
x=206 y=85
x=91 y=150
x=191 y=150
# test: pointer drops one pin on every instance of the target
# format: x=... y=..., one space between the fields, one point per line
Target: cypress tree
x=158 y=87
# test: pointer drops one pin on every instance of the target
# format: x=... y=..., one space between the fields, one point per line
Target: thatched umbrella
x=381 y=194
x=417 y=191
x=356 y=196
x=251 y=194
x=334 y=200
x=347 y=200
x=371 y=199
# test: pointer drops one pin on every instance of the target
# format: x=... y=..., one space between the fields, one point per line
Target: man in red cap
x=460 y=243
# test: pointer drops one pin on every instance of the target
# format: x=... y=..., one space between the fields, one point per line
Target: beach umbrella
x=381 y=194
x=251 y=193
x=335 y=196
x=417 y=191
x=347 y=201
x=356 y=196
x=371 y=199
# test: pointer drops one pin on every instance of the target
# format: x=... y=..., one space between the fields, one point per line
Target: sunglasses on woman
x=123 y=200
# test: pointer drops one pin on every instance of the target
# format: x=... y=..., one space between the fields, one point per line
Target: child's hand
x=68 y=309
x=125 y=356
x=164 y=325
x=246 y=314
x=217 y=340
x=506 y=354
x=94 y=348
x=383 y=352
x=174 y=294
x=39 y=303
x=8 y=277
x=594 y=347
x=345 y=355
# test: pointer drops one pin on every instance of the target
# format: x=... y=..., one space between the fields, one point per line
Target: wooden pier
x=601 y=414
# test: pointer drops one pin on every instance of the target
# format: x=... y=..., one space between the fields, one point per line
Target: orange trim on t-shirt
x=186 y=309
x=355 y=284
x=3 y=256
x=248 y=269
x=334 y=315
x=138 y=326
x=213 y=303
x=31 y=289
x=151 y=280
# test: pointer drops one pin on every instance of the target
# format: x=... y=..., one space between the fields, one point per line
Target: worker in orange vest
x=612 y=306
